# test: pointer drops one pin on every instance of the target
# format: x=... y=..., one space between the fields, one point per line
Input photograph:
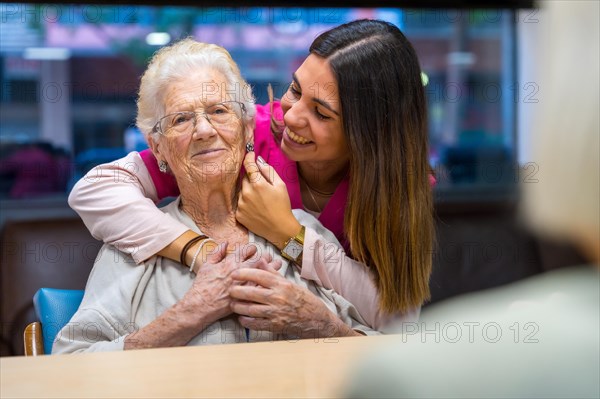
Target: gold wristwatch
x=292 y=249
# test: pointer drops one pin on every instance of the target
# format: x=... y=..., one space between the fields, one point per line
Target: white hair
x=178 y=61
x=565 y=201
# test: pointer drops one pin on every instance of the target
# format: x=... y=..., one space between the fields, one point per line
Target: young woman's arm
x=116 y=201
x=325 y=262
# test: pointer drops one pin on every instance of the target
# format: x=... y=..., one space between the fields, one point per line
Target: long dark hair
x=388 y=219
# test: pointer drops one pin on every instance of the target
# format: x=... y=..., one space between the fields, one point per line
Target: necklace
x=311 y=190
x=314 y=190
x=312 y=196
x=322 y=193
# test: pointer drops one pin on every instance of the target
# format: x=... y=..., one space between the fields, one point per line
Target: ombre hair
x=178 y=61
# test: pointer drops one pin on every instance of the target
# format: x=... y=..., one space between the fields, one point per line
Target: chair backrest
x=54 y=308
x=33 y=340
x=57 y=252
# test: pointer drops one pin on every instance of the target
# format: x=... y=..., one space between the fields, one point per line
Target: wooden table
x=305 y=368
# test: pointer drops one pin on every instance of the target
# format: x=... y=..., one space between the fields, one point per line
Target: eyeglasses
x=223 y=115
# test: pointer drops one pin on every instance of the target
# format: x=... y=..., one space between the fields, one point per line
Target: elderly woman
x=198 y=114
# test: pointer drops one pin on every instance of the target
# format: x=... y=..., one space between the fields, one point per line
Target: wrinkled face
x=202 y=150
x=312 y=115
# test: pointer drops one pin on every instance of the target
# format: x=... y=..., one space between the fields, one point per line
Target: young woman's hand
x=264 y=204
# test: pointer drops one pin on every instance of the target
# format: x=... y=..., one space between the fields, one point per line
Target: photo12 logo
x=472 y=332
x=67 y=13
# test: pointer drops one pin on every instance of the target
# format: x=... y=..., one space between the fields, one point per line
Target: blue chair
x=54 y=308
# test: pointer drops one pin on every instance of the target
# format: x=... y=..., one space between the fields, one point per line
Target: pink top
x=117 y=203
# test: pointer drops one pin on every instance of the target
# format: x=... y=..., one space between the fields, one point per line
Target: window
x=70 y=75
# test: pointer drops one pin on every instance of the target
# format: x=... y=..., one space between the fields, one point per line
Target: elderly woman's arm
x=106 y=319
x=205 y=302
x=275 y=304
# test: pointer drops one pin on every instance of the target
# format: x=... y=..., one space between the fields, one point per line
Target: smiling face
x=312 y=115
x=200 y=152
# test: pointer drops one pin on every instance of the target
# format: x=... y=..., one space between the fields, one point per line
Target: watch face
x=293 y=249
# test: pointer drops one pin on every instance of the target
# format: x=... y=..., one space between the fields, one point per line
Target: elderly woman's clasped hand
x=266 y=301
x=250 y=285
x=211 y=287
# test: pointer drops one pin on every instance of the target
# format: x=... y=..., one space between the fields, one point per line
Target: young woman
x=353 y=152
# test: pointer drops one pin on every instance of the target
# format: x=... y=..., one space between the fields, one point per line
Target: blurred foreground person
x=538 y=337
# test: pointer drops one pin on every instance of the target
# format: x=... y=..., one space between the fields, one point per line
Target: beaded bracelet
x=202 y=244
x=187 y=247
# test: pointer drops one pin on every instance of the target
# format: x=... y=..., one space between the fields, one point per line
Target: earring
x=162 y=166
x=249 y=147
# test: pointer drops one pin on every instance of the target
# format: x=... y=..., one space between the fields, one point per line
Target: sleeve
x=104 y=318
x=116 y=203
x=325 y=262
x=348 y=313
x=88 y=331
